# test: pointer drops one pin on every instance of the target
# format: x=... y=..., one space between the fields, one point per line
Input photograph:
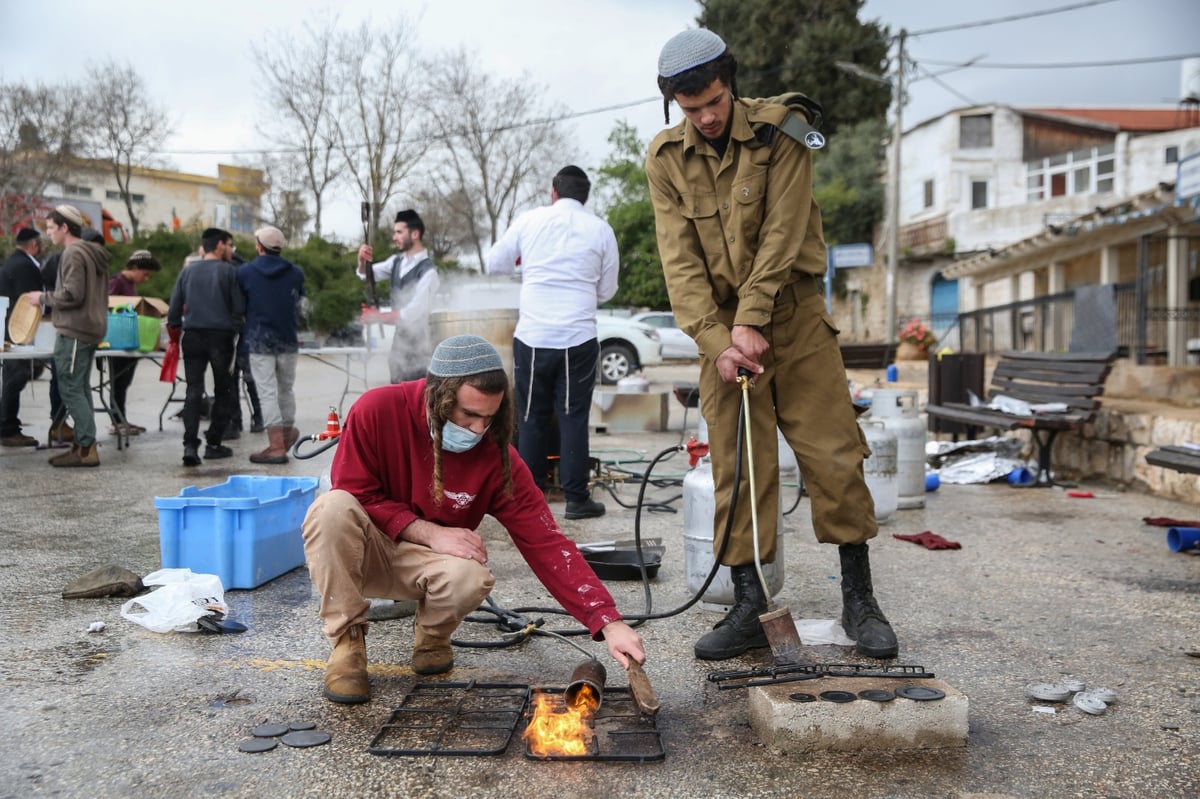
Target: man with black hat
x=418 y=465
x=569 y=265
x=742 y=250
x=414 y=280
x=21 y=273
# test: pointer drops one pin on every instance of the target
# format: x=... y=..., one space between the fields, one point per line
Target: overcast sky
x=587 y=54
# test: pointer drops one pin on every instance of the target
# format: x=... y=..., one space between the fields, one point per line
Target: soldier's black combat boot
x=861 y=617
x=740 y=629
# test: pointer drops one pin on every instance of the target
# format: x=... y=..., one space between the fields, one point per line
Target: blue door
x=943 y=306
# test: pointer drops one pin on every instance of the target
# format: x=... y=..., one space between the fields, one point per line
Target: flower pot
x=908 y=351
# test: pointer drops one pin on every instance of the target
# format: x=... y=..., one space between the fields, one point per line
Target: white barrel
x=897 y=409
x=699 y=510
x=881 y=470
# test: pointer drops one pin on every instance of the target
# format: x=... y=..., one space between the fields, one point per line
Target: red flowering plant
x=916 y=333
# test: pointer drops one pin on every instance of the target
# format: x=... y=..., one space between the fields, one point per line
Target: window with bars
x=975 y=131
x=928 y=194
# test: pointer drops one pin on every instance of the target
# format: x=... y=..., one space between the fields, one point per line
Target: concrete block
x=787 y=726
x=630 y=412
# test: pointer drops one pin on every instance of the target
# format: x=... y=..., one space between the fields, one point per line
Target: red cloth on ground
x=929 y=540
x=1167 y=521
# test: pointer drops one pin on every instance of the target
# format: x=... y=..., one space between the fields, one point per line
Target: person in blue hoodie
x=273 y=287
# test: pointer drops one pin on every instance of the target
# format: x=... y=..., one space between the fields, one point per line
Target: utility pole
x=894 y=196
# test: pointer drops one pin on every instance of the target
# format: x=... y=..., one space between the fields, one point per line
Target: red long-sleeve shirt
x=385 y=459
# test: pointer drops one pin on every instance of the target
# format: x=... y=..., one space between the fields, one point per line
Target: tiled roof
x=1130 y=119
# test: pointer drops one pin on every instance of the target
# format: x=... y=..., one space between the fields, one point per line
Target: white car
x=675 y=343
x=625 y=347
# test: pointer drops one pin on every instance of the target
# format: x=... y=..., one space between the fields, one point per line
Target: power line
x=801 y=62
x=1065 y=65
x=408 y=140
x=983 y=23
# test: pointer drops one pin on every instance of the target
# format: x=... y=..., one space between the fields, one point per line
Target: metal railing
x=1044 y=324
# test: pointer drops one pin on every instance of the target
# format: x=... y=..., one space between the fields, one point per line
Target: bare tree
x=378 y=121
x=498 y=149
x=445 y=234
x=129 y=127
x=300 y=99
x=286 y=207
x=40 y=131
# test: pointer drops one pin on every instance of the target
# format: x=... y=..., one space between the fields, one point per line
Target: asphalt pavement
x=1045 y=588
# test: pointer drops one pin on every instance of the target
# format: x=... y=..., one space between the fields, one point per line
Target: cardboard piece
x=142 y=306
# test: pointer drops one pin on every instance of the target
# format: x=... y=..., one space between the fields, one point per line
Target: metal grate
x=453 y=718
x=619 y=731
x=474 y=718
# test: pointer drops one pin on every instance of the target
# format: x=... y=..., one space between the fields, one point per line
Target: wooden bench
x=1074 y=379
x=1181 y=459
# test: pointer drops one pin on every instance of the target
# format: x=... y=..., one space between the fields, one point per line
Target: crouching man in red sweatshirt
x=418 y=465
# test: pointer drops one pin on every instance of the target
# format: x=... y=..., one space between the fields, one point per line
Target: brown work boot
x=346 y=672
x=290 y=435
x=78 y=456
x=275 y=452
x=59 y=434
x=431 y=654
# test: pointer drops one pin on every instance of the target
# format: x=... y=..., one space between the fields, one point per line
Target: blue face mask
x=459 y=439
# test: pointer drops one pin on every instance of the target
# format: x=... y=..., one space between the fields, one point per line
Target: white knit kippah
x=465 y=355
x=688 y=49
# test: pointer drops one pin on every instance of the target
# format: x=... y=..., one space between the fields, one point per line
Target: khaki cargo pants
x=349 y=558
x=804 y=392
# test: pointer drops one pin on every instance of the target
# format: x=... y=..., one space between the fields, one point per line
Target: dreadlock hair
x=441 y=397
x=697 y=79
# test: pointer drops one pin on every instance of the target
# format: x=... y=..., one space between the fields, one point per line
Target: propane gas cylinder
x=898 y=411
x=880 y=470
x=699 y=510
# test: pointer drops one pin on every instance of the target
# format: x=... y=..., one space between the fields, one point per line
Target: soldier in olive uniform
x=740 y=238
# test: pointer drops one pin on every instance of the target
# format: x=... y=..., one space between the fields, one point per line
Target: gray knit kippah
x=460 y=356
x=688 y=49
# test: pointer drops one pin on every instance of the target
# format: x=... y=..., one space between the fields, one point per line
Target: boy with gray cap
x=742 y=251
x=80 y=303
x=418 y=465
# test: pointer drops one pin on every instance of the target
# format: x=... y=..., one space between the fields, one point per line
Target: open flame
x=561 y=729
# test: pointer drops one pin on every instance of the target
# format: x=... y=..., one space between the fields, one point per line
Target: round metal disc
x=1089 y=704
x=258 y=745
x=301 y=725
x=920 y=693
x=1074 y=686
x=269 y=730
x=802 y=697
x=877 y=695
x=838 y=696
x=1047 y=692
x=1105 y=695
x=302 y=738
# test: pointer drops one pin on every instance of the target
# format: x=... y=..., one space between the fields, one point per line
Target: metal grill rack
x=619 y=731
x=453 y=718
x=465 y=719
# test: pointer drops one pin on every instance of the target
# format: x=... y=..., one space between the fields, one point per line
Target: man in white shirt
x=569 y=266
x=414 y=280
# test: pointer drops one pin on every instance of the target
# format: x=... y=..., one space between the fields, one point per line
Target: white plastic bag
x=182 y=597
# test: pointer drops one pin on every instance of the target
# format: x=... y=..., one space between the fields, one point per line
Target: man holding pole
x=414 y=280
x=742 y=251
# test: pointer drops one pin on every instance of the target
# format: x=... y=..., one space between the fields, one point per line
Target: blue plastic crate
x=245 y=530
